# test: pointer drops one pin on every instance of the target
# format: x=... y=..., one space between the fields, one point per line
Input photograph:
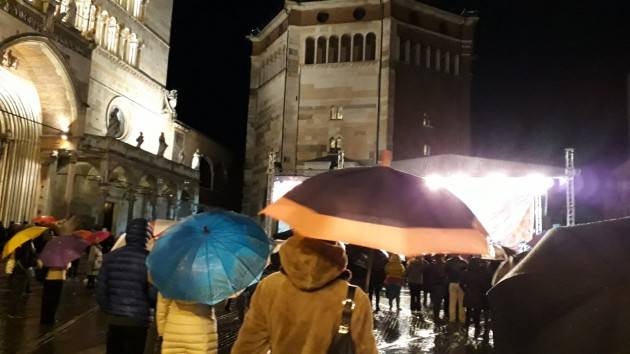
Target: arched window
x=335 y=144
x=333 y=49
x=345 y=48
x=438 y=59
x=111 y=39
x=132 y=51
x=447 y=62
x=62 y=8
x=357 y=47
x=370 y=46
x=456 y=65
x=92 y=21
x=84 y=15
x=321 y=50
x=427 y=57
x=122 y=43
x=101 y=25
x=417 y=54
x=405 y=50
x=137 y=9
x=309 y=52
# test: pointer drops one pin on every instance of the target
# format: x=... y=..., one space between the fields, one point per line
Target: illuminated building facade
x=87 y=126
x=360 y=77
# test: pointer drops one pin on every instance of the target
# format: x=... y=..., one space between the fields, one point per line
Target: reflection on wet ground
x=400 y=332
x=81 y=327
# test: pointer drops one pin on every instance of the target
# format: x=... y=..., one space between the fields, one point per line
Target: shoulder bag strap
x=348 y=307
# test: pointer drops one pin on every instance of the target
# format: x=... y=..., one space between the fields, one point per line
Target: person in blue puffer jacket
x=124 y=293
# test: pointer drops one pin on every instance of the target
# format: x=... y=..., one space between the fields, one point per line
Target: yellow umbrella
x=21 y=238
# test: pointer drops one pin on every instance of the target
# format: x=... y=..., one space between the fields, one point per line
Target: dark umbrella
x=380 y=208
x=569 y=295
x=62 y=250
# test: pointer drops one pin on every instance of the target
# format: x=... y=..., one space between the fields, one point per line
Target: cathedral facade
x=358 y=77
x=87 y=126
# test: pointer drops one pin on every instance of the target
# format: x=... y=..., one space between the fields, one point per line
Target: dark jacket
x=476 y=282
x=438 y=279
x=455 y=267
x=123 y=289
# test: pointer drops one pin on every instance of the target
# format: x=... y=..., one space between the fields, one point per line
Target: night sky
x=548 y=74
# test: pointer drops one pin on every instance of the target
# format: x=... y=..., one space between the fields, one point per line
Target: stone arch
x=309 y=51
x=37 y=91
x=118 y=177
x=206 y=173
x=42 y=64
x=148 y=183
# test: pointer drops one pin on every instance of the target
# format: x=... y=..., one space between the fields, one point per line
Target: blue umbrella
x=208 y=257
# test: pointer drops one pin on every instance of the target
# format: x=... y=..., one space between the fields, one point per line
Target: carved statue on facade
x=163 y=145
x=170 y=102
x=196 y=160
x=49 y=22
x=172 y=99
x=181 y=156
x=139 y=140
x=70 y=15
x=115 y=123
x=9 y=60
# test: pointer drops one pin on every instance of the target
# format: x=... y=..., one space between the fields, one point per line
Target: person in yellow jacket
x=394 y=275
x=186 y=327
x=298 y=310
x=51 y=293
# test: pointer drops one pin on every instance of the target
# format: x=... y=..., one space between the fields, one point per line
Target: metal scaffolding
x=569 y=157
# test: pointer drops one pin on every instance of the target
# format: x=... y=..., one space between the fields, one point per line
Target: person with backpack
x=309 y=307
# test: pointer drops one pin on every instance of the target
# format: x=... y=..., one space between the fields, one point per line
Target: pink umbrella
x=62 y=250
x=99 y=236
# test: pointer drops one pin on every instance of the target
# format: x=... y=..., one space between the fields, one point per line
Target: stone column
x=69 y=193
x=194 y=203
x=131 y=202
x=153 y=201
x=100 y=210
x=169 y=207
x=48 y=185
x=178 y=203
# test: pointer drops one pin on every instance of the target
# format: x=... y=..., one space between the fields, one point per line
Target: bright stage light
x=64 y=137
x=434 y=182
x=501 y=202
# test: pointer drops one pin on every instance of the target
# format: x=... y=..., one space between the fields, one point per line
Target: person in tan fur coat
x=298 y=310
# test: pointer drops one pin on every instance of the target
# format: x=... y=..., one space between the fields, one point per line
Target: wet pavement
x=81 y=327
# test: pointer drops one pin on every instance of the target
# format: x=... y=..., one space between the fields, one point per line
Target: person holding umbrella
x=124 y=293
x=53 y=263
x=198 y=263
x=300 y=309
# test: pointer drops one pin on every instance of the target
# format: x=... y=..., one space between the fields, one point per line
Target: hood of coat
x=311 y=264
x=138 y=232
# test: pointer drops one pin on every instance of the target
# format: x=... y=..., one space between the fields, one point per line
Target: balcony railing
x=105 y=144
x=65 y=35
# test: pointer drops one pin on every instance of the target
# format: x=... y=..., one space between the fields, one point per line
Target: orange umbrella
x=84 y=234
x=45 y=220
x=381 y=208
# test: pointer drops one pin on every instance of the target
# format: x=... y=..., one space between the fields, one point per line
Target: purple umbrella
x=62 y=250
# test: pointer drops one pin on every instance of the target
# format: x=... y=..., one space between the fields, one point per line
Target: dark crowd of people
x=23 y=265
x=297 y=304
x=454 y=286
